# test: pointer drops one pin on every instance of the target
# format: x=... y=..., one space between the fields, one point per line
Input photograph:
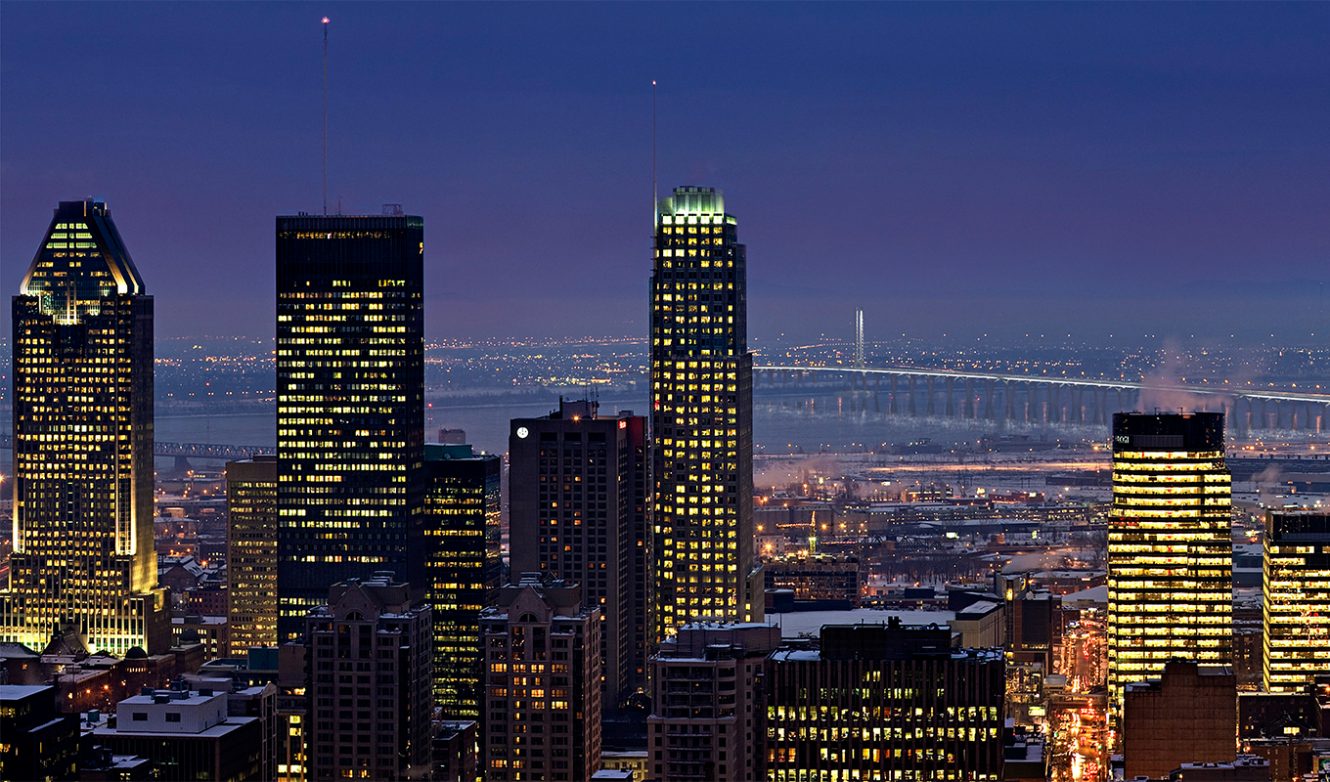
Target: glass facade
x=251 y=563
x=463 y=568
x=83 y=416
x=350 y=404
x=701 y=417
x=1170 y=550
x=1296 y=587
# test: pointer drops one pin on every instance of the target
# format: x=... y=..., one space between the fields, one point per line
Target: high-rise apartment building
x=542 y=683
x=83 y=418
x=701 y=417
x=350 y=404
x=707 y=724
x=1296 y=580
x=251 y=560
x=463 y=568
x=368 y=659
x=1170 y=552
x=577 y=511
x=884 y=702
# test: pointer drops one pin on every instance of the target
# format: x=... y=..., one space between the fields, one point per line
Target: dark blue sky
x=1004 y=168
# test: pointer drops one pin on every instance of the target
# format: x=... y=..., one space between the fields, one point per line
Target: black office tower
x=463 y=569
x=350 y=404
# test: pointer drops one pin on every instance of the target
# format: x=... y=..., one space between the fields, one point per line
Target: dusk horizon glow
x=1078 y=163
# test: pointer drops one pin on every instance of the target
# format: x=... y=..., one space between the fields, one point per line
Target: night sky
x=1002 y=168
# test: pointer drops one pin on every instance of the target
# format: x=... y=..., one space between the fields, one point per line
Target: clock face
x=522 y=432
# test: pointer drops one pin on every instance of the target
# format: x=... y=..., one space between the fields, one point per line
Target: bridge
x=1051 y=399
x=187 y=450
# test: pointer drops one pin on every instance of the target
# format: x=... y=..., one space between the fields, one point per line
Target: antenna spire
x=655 y=191
x=325 y=115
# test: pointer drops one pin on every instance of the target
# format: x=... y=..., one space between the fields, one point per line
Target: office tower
x=884 y=702
x=368 y=660
x=577 y=510
x=542 y=710
x=1170 y=554
x=83 y=480
x=1296 y=575
x=187 y=734
x=39 y=741
x=350 y=404
x=463 y=568
x=251 y=562
x=709 y=706
x=1188 y=714
x=701 y=417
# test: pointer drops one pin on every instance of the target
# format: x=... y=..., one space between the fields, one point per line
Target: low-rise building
x=187 y=734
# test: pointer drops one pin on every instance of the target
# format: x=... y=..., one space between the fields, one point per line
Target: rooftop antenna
x=655 y=191
x=325 y=115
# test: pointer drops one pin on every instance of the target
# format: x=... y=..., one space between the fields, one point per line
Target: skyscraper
x=350 y=404
x=83 y=417
x=251 y=546
x=1296 y=576
x=701 y=416
x=463 y=568
x=542 y=702
x=367 y=660
x=1170 y=552
x=577 y=510
x=710 y=703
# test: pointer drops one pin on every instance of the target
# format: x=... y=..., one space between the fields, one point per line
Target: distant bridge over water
x=187 y=450
x=1049 y=399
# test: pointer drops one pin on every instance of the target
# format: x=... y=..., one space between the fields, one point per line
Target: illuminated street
x=1079 y=731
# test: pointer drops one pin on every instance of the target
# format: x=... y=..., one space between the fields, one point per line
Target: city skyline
x=1157 y=143
x=379 y=551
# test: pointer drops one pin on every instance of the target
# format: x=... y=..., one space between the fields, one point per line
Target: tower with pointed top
x=83 y=444
x=701 y=417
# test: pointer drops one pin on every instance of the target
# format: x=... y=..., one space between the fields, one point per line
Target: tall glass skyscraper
x=463 y=569
x=1170 y=551
x=1296 y=604
x=701 y=416
x=251 y=558
x=83 y=475
x=350 y=404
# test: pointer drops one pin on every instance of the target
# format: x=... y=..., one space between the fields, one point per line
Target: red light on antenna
x=326 y=20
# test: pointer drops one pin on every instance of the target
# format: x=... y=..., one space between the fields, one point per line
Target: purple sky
x=1127 y=168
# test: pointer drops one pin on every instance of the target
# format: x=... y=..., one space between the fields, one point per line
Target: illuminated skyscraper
x=577 y=510
x=83 y=475
x=251 y=552
x=1296 y=599
x=1170 y=552
x=542 y=701
x=463 y=568
x=701 y=416
x=350 y=404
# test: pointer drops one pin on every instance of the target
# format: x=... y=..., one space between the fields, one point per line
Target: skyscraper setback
x=83 y=443
x=350 y=403
x=701 y=416
x=1170 y=552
